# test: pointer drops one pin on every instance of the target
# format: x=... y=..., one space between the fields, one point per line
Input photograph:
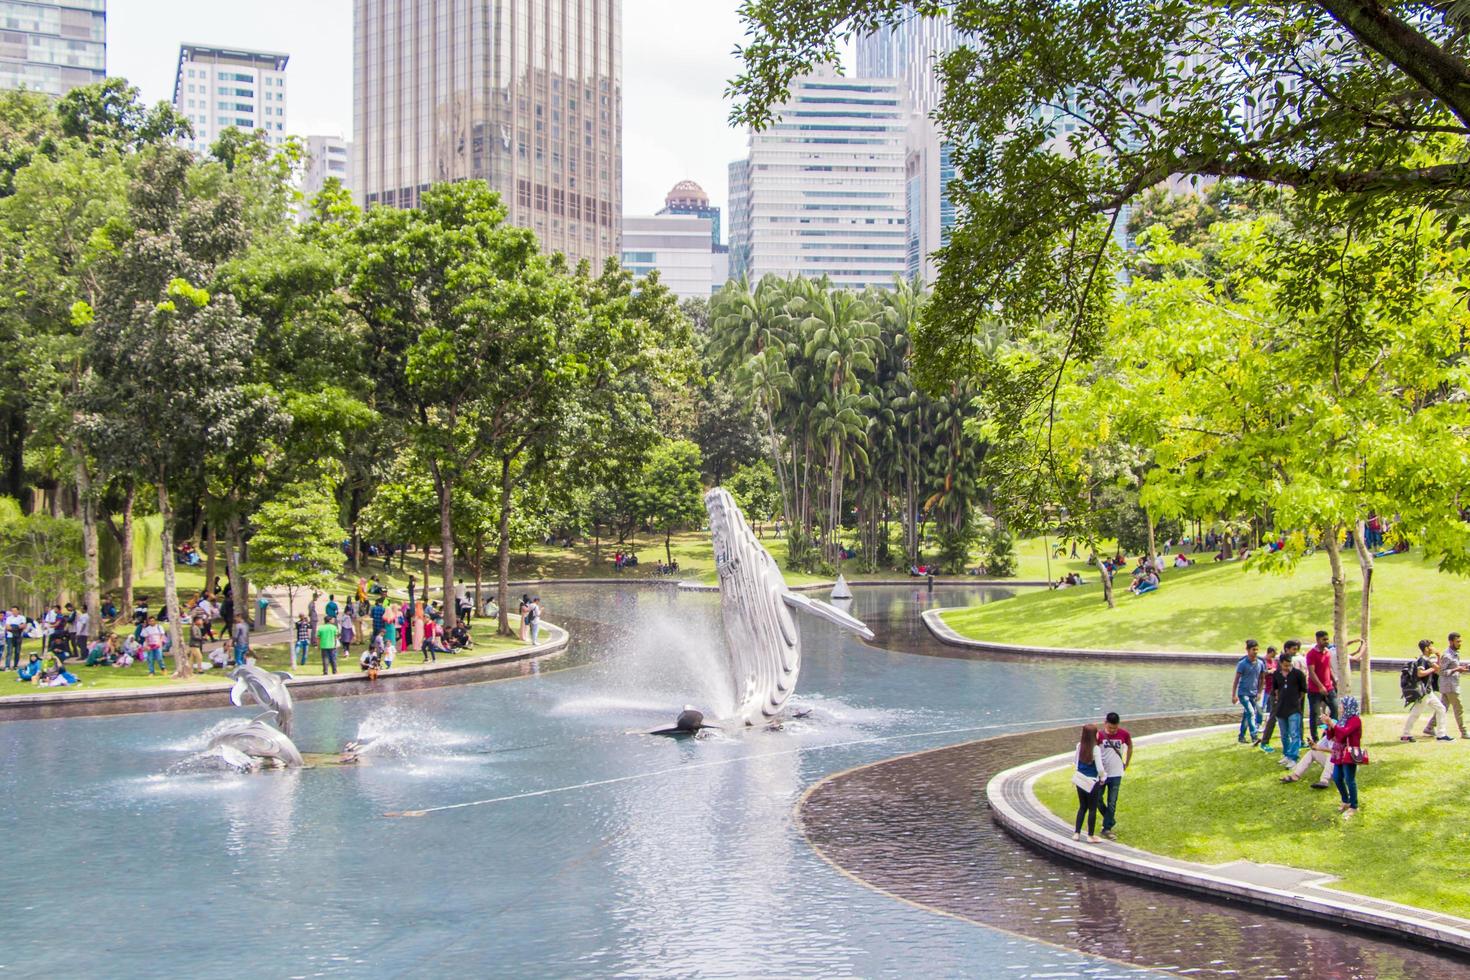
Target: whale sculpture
x=764 y=643
x=256 y=739
x=267 y=688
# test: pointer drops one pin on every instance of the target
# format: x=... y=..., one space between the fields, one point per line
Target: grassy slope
x=1214 y=607
x=1210 y=800
x=274 y=657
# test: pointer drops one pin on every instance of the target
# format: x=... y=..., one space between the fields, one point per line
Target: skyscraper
x=53 y=47
x=909 y=51
x=231 y=88
x=524 y=94
x=822 y=193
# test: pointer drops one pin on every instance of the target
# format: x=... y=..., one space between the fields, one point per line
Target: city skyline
x=675 y=111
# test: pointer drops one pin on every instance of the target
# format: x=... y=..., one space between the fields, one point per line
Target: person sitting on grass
x=1145 y=583
x=459 y=638
x=55 y=675
x=103 y=652
x=1321 y=753
x=31 y=670
x=1347 y=754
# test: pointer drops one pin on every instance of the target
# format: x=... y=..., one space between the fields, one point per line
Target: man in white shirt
x=81 y=632
x=15 y=630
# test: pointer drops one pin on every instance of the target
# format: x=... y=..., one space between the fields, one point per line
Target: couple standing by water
x=1103 y=756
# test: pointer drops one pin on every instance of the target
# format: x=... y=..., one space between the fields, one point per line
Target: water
x=553 y=841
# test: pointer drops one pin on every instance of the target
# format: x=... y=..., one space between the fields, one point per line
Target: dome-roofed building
x=687 y=197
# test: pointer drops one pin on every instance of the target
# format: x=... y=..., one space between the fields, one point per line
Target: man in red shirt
x=1321 y=685
x=1115 y=752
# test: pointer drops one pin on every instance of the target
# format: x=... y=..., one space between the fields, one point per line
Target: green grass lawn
x=1210 y=800
x=1215 y=607
x=270 y=657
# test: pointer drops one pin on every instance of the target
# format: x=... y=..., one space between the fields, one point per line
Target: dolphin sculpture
x=267 y=688
x=755 y=604
x=257 y=739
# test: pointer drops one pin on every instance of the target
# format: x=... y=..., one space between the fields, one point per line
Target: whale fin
x=284 y=675
x=828 y=612
x=269 y=716
x=235 y=759
x=237 y=692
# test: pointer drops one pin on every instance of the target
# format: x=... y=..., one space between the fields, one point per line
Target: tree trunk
x=211 y=542
x=170 y=583
x=91 y=575
x=668 y=547
x=239 y=588
x=1153 y=554
x=125 y=548
x=354 y=508
x=479 y=572
x=445 y=486
x=1365 y=609
x=502 y=590
x=1333 y=543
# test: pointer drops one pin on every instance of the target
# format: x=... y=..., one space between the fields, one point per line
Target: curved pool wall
x=554 y=842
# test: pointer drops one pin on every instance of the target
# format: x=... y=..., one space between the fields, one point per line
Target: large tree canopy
x=1062 y=112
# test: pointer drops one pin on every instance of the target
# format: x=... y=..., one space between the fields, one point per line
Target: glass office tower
x=524 y=94
x=52 y=47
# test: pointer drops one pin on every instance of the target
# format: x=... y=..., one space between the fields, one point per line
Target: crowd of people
x=1276 y=689
x=215 y=637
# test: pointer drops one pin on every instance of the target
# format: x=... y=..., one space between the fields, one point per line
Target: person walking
x=1291 y=688
x=1321 y=685
x=1268 y=699
x=1423 y=671
x=240 y=639
x=1087 y=778
x=196 y=641
x=304 y=635
x=326 y=635
x=346 y=633
x=15 y=631
x=1347 y=755
x=311 y=614
x=153 y=644
x=1450 y=670
x=331 y=609
x=1115 y=747
x=1246 y=691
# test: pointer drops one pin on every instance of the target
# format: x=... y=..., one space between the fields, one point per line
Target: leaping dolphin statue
x=755 y=604
x=267 y=688
x=258 y=739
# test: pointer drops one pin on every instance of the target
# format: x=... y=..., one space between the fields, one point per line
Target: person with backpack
x=1416 y=685
x=533 y=619
x=1347 y=754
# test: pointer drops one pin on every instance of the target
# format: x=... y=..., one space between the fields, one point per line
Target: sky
x=677 y=59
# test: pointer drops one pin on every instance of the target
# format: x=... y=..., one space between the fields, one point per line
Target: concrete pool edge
x=1301 y=894
x=139 y=700
x=946 y=634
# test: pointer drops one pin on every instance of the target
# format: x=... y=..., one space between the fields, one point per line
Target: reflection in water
x=920 y=828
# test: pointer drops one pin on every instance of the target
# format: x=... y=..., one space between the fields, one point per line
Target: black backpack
x=1410 y=686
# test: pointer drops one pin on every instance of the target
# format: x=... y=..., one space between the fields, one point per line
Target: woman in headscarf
x=1347 y=754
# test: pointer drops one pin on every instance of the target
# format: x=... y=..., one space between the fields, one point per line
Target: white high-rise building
x=677 y=245
x=822 y=192
x=910 y=51
x=326 y=157
x=224 y=88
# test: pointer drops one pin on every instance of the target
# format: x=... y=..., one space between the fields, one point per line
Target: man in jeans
x=1246 y=692
x=1291 y=686
x=327 y=639
x=1426 y=669
x=1116 y=748
x=1321 y=685
x=1450 y=670
x=15 y=631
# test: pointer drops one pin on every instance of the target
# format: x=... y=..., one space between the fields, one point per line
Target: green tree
x=297 y=541
x=668 y=492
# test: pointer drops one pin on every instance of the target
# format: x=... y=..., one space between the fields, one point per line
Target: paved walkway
x=946 y=634
x=1013 y=802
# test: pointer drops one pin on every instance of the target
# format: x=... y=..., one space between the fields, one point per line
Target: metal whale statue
x=267 y=688
x=257 y=739
x=755 y=609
